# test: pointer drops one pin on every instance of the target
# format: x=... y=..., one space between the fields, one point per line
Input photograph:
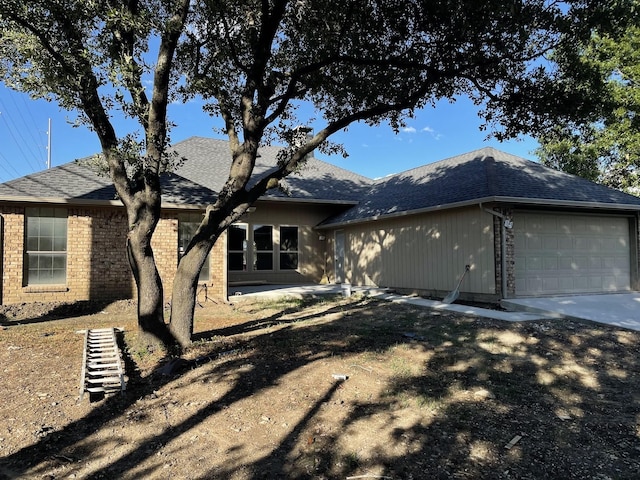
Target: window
x=46 y=241
x=237 y=239
x=288 y=248
x=187 y=226
x=263 y=247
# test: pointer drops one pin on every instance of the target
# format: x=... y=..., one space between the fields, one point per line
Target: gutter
x=495 y=199
x=93 y=202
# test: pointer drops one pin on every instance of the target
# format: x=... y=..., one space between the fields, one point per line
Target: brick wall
x=97 y=266
x=104 y=234
x=510 y=252
x=510 y=255
x=218 y=284
x=12 y=254
x=497 y=248
x=165 y=250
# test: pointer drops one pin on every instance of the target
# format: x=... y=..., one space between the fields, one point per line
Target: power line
x=33 y=120
x=29 y=128
x=15 y=141
x=3 y=166
x=19 y=143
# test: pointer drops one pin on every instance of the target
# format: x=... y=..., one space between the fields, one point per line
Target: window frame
x=57 y=241
x=188 y=223
x=287 y=251
x=264 y=253
x=243 y=251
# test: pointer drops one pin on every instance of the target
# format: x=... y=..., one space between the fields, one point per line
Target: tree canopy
x=253 y=62
x=605 y=145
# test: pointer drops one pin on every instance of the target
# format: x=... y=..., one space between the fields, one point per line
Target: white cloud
x=409 y=130
x=435 y=135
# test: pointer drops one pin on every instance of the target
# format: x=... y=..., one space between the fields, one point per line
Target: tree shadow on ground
x=460 y=390
x=10 y=317
x=266 y=322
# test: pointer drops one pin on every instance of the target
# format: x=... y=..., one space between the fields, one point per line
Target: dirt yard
x=427 y=395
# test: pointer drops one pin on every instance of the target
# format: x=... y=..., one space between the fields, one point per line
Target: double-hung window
x=289 y=248
x=262 y=247
x=46 y=246
x=187 y=226
x=237 y=249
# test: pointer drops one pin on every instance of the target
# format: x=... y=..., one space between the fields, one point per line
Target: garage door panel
x=563 y=254
x=566 y=263
x=565 y=243
x=534 y=242
x=612 y=283
x=578 y=283
x=550 y=284
x=567 y=283
x=533 y=263
x=595 y=263
x=550 y=263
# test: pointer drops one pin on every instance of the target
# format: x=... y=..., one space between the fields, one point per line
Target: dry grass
x=428 y=395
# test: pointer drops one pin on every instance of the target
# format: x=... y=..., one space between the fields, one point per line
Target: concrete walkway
x=620 y=309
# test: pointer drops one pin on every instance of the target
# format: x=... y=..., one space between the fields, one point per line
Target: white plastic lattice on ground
x=102 y=370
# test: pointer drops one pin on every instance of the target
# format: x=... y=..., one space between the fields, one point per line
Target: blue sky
x=434 y=134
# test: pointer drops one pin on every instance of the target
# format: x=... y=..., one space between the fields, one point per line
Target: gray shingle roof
x=482 y=175
x=69 y=181
x=196 y=182
x=78 y=182
x=210 y=159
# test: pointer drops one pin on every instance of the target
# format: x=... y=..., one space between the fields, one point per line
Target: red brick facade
x=97 y=267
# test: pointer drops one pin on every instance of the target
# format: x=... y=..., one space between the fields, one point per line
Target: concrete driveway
x=619 y=309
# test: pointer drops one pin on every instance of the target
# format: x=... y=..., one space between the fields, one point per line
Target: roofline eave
x=480 y=201
x=62 y=201
x=92 y=202
x=316 y=201
x=570 y=203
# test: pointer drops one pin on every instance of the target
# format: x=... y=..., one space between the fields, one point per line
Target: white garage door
x=566 y=254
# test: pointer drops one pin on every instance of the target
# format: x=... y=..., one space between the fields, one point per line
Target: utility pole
x=49 y=146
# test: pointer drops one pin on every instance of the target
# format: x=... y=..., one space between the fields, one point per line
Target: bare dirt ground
x=428 y=395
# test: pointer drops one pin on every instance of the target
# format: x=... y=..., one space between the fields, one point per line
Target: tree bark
x=185 y=285
x=152 y=329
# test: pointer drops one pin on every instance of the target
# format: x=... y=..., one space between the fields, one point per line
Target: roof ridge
x=487 y=151
x=264 y=147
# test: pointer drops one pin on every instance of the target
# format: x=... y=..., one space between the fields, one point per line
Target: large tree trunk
x=183 y=298
x=152 y=329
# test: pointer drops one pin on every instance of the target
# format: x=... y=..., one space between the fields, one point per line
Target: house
x=523 y=229
x=64 y=230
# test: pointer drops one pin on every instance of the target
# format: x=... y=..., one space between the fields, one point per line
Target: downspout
x=503 y=247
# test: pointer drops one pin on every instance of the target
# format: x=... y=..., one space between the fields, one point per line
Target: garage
x=570 y=254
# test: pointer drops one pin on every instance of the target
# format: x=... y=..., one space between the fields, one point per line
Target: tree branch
x=131 y=69
x=157 y=127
